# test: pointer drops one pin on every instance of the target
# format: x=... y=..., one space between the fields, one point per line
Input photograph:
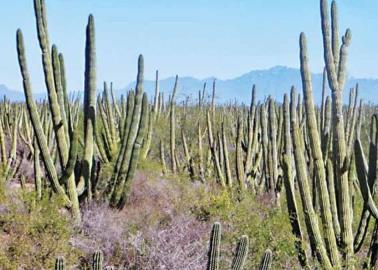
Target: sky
x=199 y=38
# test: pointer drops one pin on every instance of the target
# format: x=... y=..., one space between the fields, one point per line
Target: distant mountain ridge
x=269 y=82
x=273 y=82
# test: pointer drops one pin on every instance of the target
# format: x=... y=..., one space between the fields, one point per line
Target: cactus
x=213 y=153
x=172 y=128
x=225 y=157
x=289 y=186
x=316 y=151
x=335 y=59
x=61 y=116
x=239 y=154
x=200 y=155
x=266 y=260
x=89 y=107
x=135 y=152
x=60 y=264
x=35 y=119
x=304 y=188
x=214 y=248
x=241 y=254
x=98 y=259
x=128 y=141
x=37 y=170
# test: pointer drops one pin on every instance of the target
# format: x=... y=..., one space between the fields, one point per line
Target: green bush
x=33 y=235
x=266 y=227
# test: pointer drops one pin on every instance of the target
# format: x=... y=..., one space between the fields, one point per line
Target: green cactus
x=89 y=107
x=172 y=129
x=290 y=188
x=135 y=152
x=326 y=214
x=239 y=154
x=98 y=259
x=226 y=159
x=60 y=264
x=335 y=59
x=125 y=154
x=266 y=260
x=214 y=248
x=241 y=254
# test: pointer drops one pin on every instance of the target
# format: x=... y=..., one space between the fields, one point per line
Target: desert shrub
x=266 y=226
x=152 y=232
x=34 y=234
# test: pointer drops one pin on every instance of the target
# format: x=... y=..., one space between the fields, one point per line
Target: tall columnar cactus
x=131 y=127
x=135 y=152
x=290 y=188
x=266 y=260
x=273 y=155
x=172 y=129
x=241 y=254
x=304 y=188
x=61 y=115
x=239 y=154
x=214 y=248
x=34 y=116
x=201 y=168
x=89 y=106
x=264 y=142
x=226 y=159
x=335 y=59
x=212 y=155
x=316 y=151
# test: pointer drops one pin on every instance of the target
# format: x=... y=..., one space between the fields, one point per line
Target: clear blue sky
x=196 y=38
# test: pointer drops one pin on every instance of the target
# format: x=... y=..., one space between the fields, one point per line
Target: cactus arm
x=173 y=129
x=225 y=156
x=289 y=186
x=302 y=176
x=41 y=20
x=35 y=119
x=37 y=170
x=213 y=150
x=89 y=106
x=59 y=89
x=135 y=152
x=317 y=156
x=120 y=176
x=364 y=185
x=239 y=154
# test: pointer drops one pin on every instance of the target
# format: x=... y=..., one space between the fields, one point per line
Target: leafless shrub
x=148 y=234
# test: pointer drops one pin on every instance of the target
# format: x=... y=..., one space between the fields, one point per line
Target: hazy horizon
x=222 y=39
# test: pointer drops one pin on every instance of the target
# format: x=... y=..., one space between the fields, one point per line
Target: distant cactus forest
x=96 y=182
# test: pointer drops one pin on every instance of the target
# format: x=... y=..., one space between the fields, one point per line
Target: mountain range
x=269 y=82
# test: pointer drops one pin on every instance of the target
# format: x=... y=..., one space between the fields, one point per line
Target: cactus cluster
x=52 y=136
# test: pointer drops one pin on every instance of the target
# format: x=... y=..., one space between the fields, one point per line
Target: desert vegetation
x=153 y=183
